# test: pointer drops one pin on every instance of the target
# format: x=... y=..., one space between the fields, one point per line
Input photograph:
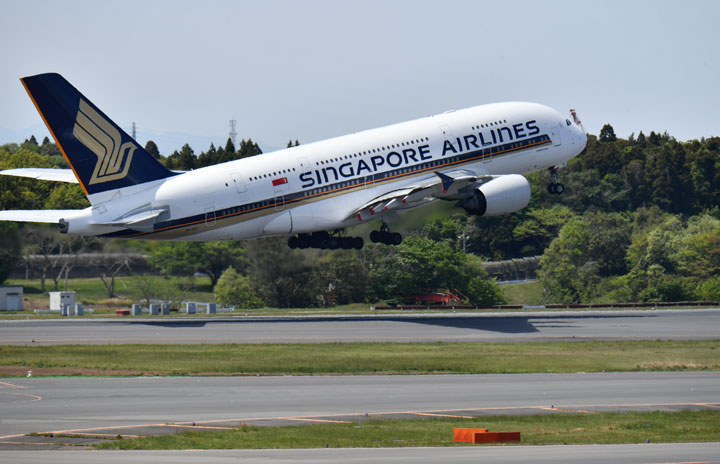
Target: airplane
x=311 y=193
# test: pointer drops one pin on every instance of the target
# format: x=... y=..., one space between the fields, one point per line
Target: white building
x=58 y=299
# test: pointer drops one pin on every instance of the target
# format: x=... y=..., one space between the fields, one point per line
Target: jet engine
x=502 y=195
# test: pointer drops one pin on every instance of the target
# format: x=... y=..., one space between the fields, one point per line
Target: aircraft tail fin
x=102 y=156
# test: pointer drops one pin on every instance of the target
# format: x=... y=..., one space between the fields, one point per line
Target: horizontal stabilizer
x=56 y=175
x=49 y=216
x=143 y=221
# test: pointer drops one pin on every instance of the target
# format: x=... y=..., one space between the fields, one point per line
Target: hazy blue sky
x=316 y=69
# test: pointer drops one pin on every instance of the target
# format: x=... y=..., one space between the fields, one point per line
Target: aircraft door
x=279 y=202
x=237 y=180
x=210 y=216
x=555 y=135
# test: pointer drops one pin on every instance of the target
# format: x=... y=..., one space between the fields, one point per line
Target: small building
x=11 y=298
x=58 y=299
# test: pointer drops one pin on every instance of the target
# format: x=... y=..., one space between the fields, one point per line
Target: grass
x=526 y=293
x=602 y=428
x=371 y=358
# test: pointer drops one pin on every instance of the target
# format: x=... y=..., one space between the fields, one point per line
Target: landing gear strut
x=555 y=187
x=385 y=236
x=325 y=241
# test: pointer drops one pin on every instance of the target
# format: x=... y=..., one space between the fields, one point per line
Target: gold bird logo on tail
x=100 y=137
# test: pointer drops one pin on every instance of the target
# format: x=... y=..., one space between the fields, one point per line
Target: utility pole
x=233 y=131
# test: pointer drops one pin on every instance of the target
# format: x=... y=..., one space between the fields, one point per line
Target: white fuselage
x=316 y=187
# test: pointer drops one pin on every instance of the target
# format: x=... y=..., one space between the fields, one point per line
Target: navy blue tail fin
x=102 y=156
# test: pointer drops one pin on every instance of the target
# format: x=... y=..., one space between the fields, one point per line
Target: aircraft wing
x=454 y=185
x=50 y=216
x=57 y=175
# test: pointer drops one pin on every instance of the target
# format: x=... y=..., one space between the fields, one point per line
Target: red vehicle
x=440 y=296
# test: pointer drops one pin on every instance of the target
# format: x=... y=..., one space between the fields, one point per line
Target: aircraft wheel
x=358 y=243
x=303 y=241
x=292 y=242
x=559 y=188
x=375 y=236
x=396 y=238
x=551 y=189
x=333 y=243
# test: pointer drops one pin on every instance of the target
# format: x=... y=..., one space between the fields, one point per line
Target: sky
x=310 y=70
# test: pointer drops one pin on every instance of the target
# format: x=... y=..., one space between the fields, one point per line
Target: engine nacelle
x=502 y=195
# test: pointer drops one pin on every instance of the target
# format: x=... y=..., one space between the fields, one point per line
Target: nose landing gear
x=555 y=187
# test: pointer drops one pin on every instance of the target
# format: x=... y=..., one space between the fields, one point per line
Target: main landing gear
x=555 y=187
x=325 y=241
x=385 y=236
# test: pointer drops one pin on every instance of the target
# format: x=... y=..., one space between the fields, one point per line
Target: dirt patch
x=22 y=371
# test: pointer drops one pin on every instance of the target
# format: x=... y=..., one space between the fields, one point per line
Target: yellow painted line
x=709 y=405
x=32 y=397
x=442 y=415
x=41 y=444
x=13 y=436
x=12 y=385
x=190 y=426
x=546 y=408
x=302 y=419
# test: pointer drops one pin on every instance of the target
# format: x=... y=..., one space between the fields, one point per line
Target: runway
x=488 y=327
x=674 y=453
x=126 y=405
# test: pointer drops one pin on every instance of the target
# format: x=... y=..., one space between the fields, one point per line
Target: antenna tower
x=233 y=131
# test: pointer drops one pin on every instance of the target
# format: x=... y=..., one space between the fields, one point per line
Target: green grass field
x=605 y=428
x=371 y=358
x=526 y=293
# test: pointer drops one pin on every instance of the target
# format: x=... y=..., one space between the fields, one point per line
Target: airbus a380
x=311 y=193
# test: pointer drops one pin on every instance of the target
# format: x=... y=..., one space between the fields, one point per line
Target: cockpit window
x=567 y=121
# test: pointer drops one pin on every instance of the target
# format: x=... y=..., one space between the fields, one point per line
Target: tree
x=110 y=268
x=49 y=149
x=186 y=258
x=281 y=276
x=607 y=134
x=417 y=264
x=66 y=196
x=184 y=160
x=229 y=147
x=340 y=277
x=483 y=291
x=149 y=288
x=235 y=289
x=9 y=249
x=587 y=249
x=152 y=148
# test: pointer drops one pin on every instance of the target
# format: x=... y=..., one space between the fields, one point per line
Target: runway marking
x=41 y=444
x=563 y=409
x=190 y=426
x=442 y=415
x=33 y=398
x=12 y=385
x=314 y=420
x=709 y=405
